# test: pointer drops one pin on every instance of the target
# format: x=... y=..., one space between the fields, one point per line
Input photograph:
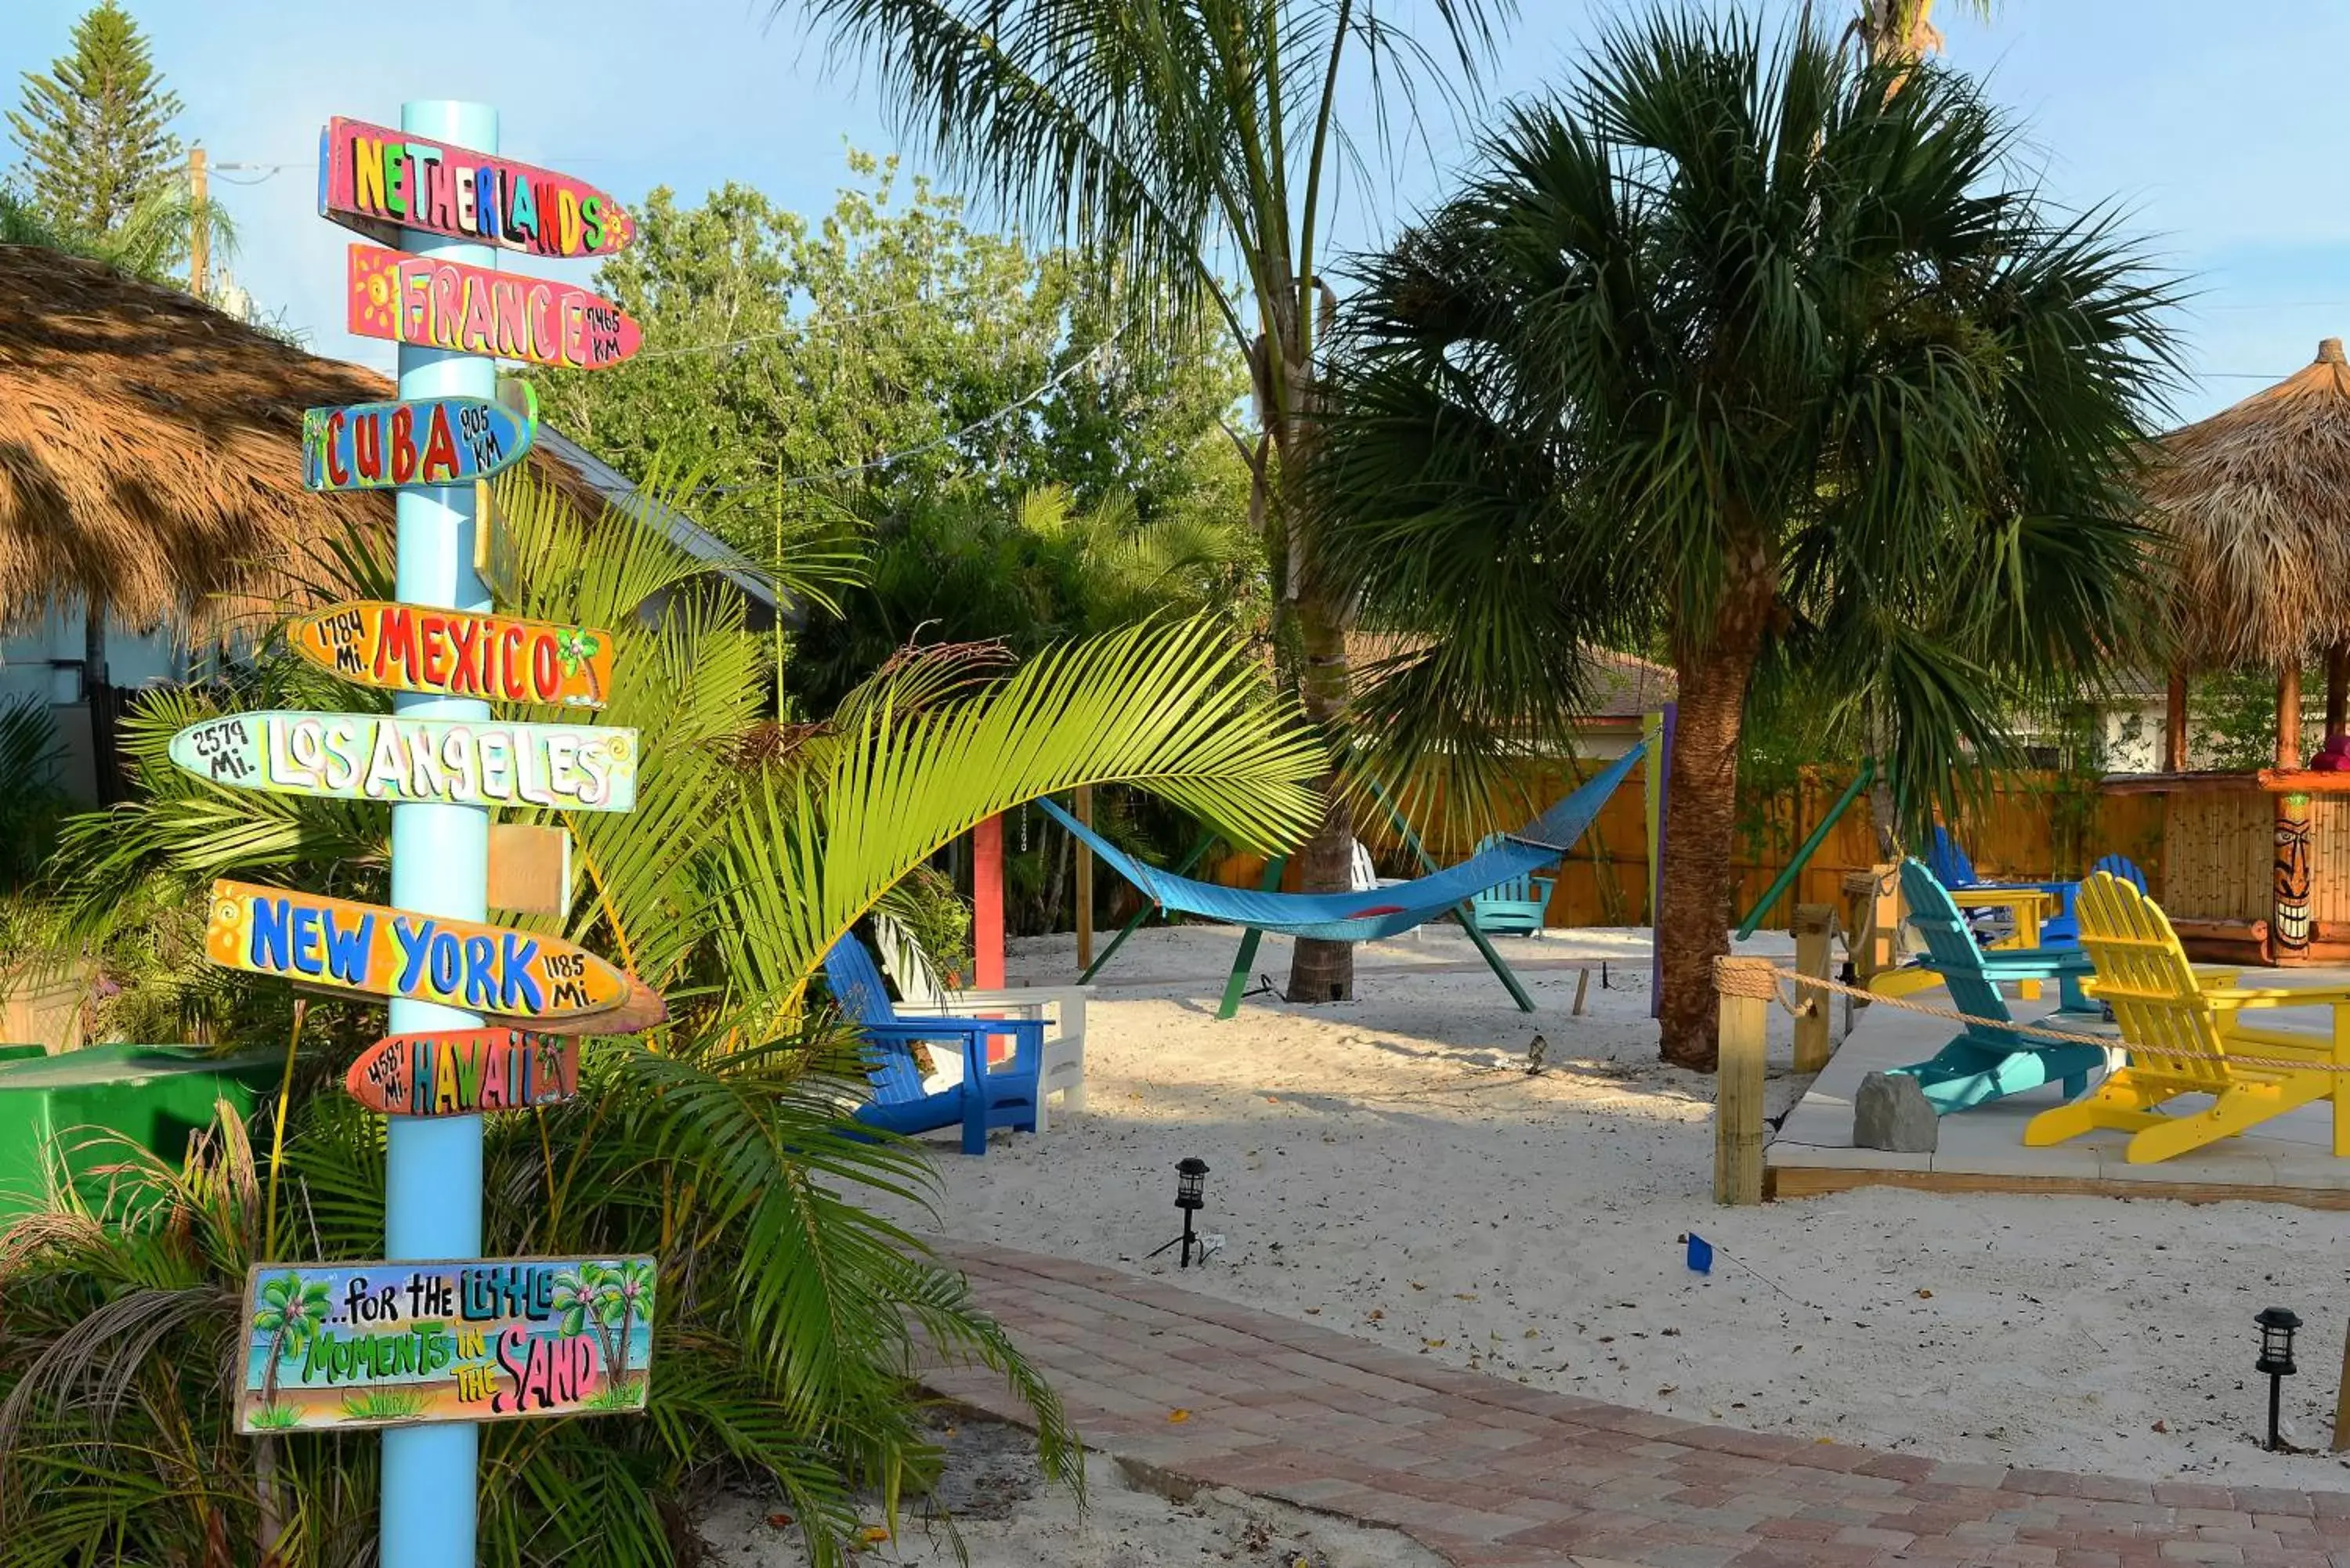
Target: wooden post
x=2288 y=754
x=2174 y=724
x=2342 y=1401
x=200 y=237
x=2338 y=690
x=1813 y=925
x=1747 y=987
x=1085 y=883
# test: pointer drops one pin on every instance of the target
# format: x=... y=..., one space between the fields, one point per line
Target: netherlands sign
x=463 y=309
x=456 y=654
x=378 y=757
x=463 y=1071
x=379 y=180
x=350 y=1346
x=495 y=971
x=436 y=441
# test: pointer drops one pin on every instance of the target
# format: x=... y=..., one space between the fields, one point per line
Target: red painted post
x=987 y=904
x=987 y=917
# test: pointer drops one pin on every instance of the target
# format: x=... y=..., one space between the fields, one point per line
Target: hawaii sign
x=378 y=182
x=495 y=971
x=436 y=441
x=463 y=309
x=463 y=1071
x=349 y=1346
x=457 y=653
x=397 y=760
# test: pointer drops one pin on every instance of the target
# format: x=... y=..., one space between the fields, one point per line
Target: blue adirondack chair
x=2064 y=929
x=1002 y=1097
x=1982 y=1064
x=1952 y=865
x=1510 y=909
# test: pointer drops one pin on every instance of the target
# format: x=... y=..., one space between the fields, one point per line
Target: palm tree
x=291 y=1310
x=1727 y=350
x=1170 y=139
x=1902 y=32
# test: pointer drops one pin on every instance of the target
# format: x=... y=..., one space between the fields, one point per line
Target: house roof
x=151 y=453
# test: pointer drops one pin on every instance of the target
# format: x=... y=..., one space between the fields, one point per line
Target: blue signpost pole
x=439 y=865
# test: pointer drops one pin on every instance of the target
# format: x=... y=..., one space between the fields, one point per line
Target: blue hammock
x=1382 y=912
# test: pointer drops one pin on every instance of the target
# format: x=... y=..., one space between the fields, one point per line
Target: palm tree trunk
x=1320 y=614
x=1323 y=971
x=1701 y=800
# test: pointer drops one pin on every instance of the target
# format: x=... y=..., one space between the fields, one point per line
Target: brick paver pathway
x=1492 y=1474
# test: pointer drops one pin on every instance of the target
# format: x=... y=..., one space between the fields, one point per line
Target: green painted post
x=1810 y=847
x=1238 y=980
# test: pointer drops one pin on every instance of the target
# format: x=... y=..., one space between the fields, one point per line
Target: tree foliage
x=95 y=128
x=872 y=353
x=791 y=1315
x=1731 y=348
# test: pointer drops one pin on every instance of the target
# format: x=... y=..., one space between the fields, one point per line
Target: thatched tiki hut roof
x=2255 y=502
x=150 y=450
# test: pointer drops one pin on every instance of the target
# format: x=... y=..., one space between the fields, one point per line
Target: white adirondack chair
x=1062 y=1007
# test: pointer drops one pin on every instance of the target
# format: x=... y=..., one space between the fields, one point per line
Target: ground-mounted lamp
x=2277 y=1325
x=1191 y=1197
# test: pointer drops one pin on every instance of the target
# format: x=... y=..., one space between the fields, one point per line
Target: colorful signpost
x=341 y=1346
x=454 y=653
x=378 y=182
x=383 y=757
x=493 y=970
x=431 y=1348
x=462 y=309
x=463 y=1071
x=382 y=446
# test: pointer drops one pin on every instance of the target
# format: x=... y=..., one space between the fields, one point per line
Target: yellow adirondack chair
x=2160 y=999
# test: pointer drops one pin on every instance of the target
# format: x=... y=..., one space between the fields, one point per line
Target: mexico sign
x=457 y=653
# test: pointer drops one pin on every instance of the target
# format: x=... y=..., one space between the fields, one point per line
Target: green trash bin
x=156 y=1095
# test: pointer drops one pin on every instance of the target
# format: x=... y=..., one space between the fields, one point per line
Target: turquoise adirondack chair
x=1003 y=1095
x=1981 y=1063
x=1510 y=909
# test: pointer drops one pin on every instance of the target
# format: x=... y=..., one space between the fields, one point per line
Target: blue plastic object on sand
x=1700 y=1253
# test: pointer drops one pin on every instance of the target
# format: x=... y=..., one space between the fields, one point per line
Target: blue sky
x=2216 y=127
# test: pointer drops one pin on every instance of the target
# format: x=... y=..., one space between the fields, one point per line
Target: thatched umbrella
x=150 y=451
x=2256 y=502
x=151 y=459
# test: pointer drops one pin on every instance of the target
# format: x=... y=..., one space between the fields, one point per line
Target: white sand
x=1007 y=1518
x=1382 y=1168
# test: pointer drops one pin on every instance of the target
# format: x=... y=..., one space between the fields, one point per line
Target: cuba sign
x=437 y=441
x=456 y=654
x=379 y=180
x=396 y=761
x=463 y=309
x=342 y=946
x=350 y=1346
x=463 y=1071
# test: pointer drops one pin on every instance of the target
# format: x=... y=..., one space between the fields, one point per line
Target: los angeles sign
x=378 y=757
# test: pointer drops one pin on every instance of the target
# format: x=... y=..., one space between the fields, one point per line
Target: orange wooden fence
x=2033 y=825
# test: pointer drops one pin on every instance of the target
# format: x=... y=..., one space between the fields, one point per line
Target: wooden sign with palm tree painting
x=456 y=654
x=339 y=1346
